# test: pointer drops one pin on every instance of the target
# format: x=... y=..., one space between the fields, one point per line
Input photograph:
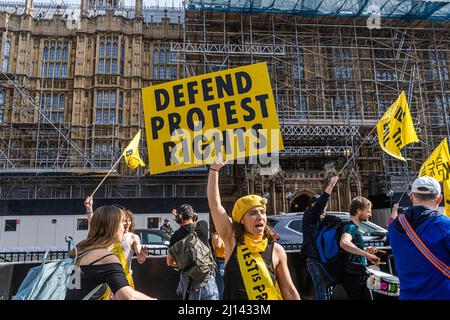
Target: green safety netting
x=395 y=9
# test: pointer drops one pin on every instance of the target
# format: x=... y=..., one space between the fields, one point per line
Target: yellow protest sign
x=438 y=163
x=447 y=197
x=395 y=129
x=189 y=121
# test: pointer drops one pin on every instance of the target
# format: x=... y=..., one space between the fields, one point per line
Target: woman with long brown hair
x=98 y=264
x=255 y=266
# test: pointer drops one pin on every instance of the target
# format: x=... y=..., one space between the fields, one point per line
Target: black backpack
x=327 y=245
x=193 y=257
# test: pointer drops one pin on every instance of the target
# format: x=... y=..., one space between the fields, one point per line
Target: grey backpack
x=193 y=257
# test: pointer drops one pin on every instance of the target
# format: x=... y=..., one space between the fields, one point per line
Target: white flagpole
x=107 y=174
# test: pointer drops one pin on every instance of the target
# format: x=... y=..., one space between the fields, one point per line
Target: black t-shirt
x=92 y=275
x=201 y=229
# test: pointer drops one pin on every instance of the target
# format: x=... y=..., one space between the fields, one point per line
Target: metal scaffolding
x=332 y=78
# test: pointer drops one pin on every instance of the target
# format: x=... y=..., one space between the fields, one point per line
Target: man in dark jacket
x=166 y=227
x=310 y=226
x=419 y=278
x=189 y=289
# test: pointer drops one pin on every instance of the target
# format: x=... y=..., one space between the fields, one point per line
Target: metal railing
x=31 y=256
x=37 y=256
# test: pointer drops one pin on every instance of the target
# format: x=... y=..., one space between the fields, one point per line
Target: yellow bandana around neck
x=255 y=245
x=118 y=252
x=254 y=271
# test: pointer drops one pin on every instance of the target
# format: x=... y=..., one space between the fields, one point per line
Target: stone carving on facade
x=258 y=183
x=279 y=181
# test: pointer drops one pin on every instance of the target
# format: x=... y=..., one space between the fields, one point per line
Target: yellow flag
x=131 y=153
x=438 y=163
x=395 y=129
x=447 y=197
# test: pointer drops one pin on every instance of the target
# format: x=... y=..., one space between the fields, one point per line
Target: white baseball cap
x=426 y=185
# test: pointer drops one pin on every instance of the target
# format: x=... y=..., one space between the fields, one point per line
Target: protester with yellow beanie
x=256 y=267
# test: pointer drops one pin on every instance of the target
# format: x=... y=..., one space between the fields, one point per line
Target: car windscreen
x=272 y=222
x=152 y=238
x=366 y=229
x=296 y=225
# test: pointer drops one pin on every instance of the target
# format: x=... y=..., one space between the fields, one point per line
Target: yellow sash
x=118 y=251
x=256 y=276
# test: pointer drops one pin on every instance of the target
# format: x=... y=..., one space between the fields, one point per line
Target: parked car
x=289 y=229
x=157 y=241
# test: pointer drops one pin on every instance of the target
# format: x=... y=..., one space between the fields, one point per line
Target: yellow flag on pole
x=396 y=129
x=447 y=197
x=438 y=163
x=131 y=153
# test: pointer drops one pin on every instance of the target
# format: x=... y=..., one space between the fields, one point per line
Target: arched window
x=65 y=54
x=108 y=55
x=164 y=67
x=102 y=49
x=115 y=49
x=111 y=153
x=105 y=119
x=97 y=151
x=155 y=57
x=120 y=107
x=104 y=150
x=122 y=58
x=64 y=70
x=6 y=53
x=55 y=57
x=52 y=53
x=62 y=102
x=168 y=57
x=101 y=66
x=58 y=54
x=114 y=66
x=105 y=99
x=2 y=105
x=99 y=99
x=112 y=100
x=108 y=66
x=48 y=102
x=55 y=103
x=50 y=70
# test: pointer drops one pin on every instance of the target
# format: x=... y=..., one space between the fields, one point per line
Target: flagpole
x=360 y=146
x=107 y=174
x=404 y=192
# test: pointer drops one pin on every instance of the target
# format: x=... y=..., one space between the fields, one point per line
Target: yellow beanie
x=242 y=205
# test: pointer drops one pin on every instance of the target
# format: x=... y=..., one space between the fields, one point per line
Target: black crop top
x=110 y=274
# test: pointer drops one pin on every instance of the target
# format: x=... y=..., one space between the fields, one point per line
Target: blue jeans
x=209 y=290
x=191 y=290
x=320 y=291
x=220 y=271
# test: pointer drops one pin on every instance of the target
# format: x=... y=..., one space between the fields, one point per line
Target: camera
x=401 y=210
